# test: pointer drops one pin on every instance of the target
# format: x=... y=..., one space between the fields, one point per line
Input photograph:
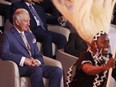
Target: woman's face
x=103 y=43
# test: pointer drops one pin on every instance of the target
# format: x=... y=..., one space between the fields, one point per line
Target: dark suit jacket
x=75 y=45
x=50 y=9
x=39 y=9
x=13 y=47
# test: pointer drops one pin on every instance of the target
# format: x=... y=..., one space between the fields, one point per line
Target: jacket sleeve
x=6 y=54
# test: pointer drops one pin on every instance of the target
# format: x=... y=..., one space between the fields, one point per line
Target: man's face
x=103 y=43
x=24 y=23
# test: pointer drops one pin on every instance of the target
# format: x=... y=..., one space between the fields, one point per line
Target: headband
x=98 y=35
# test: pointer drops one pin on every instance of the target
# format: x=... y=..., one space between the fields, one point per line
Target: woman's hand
x=110 y=64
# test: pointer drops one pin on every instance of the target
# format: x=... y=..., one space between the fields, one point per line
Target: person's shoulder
x=30 y=33
x=82 y=57
x=6 y=34
x=14 y=3
x=85 y=53
x=9 y=31
x=39 y=7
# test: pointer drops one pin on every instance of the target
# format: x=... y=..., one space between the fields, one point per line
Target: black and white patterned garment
x=81 y=79
x=99 y=60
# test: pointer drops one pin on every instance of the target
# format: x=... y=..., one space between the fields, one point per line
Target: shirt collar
x=29 y=3
x=19 y=31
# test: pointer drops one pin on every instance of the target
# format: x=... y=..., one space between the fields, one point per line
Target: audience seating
x=67 y=60
x=1 y=22
x=9 y=74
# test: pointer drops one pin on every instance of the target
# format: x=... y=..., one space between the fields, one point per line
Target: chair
x=67 y=60
x=59 y=29
x=1 y=22
x=9 y=74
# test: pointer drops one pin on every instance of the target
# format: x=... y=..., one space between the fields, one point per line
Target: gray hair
x=19 y=14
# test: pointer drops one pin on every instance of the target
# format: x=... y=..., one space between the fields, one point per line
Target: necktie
x=26 y=43
x=34 y=12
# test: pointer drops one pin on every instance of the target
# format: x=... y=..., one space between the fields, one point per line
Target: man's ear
x=17 y=22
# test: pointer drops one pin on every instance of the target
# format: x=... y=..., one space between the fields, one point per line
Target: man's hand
x=32 y=62
x=28 y=62
x=110 y=64
x=62 y=19
x=35 y=62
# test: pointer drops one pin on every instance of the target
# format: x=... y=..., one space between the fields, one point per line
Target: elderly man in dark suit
x=39 y=27
x=19 y=45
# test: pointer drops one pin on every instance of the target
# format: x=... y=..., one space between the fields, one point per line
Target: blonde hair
x=88 y=16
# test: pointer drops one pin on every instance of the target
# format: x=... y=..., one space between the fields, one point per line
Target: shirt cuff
x=86 y=61
x=22 y=61
x=38 y=61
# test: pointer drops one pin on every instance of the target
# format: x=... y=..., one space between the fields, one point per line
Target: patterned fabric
x=98 y=35
x=99 y=60
x=69 y=75
x=80 y=78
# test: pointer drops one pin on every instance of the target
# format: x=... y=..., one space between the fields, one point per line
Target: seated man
x=52 y=14
x=19 y=45
x=39 y=27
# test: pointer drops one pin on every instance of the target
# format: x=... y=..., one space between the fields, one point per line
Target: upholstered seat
x=67 y=60
x=9 y=74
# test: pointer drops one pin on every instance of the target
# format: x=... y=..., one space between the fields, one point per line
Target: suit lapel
x=18 y=37
x=29 y=39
